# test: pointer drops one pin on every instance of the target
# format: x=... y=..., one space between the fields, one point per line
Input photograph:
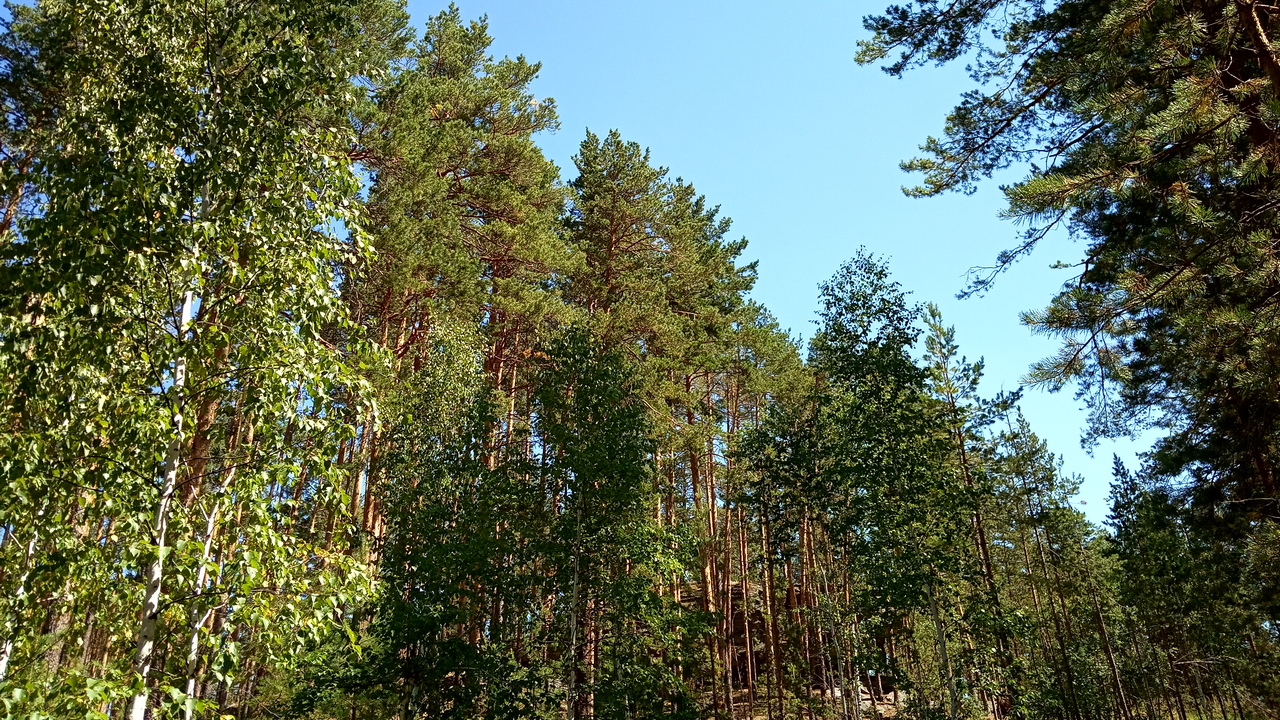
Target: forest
x=326 y=395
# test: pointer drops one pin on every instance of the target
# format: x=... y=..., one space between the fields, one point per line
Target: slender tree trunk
x=1176 y=686
x=726 y=589
x=1062 y=627
x=6 y=649
x=1106 y=645
x=200 y=610
x=574 y=669
x=750 y=668
x=944 y=659
x=149 y=626
x=590 y=657
x=771 y=601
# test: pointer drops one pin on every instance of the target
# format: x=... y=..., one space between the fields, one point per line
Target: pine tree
x=1156 y=120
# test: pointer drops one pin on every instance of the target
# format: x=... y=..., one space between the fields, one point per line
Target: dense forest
x=327 y=395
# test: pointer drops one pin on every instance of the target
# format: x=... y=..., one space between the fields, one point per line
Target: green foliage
x=463 y=204
x=558 y=547
x=324 y=397
x=1151 y=135
x=1149 y=130
x=190 y=169
x=900 y=505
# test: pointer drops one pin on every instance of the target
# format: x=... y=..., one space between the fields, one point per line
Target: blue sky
x=761 y=107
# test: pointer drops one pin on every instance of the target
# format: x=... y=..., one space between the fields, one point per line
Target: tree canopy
x=324 y=394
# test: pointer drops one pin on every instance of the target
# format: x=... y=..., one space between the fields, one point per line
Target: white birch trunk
x=147 y=629
x=6 y=650
x=196 y=616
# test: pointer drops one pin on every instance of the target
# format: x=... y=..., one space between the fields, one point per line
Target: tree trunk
x=6 y=650
x=944 y=659
x=149 y=626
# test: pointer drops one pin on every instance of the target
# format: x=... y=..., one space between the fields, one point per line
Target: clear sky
x=761 y=106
